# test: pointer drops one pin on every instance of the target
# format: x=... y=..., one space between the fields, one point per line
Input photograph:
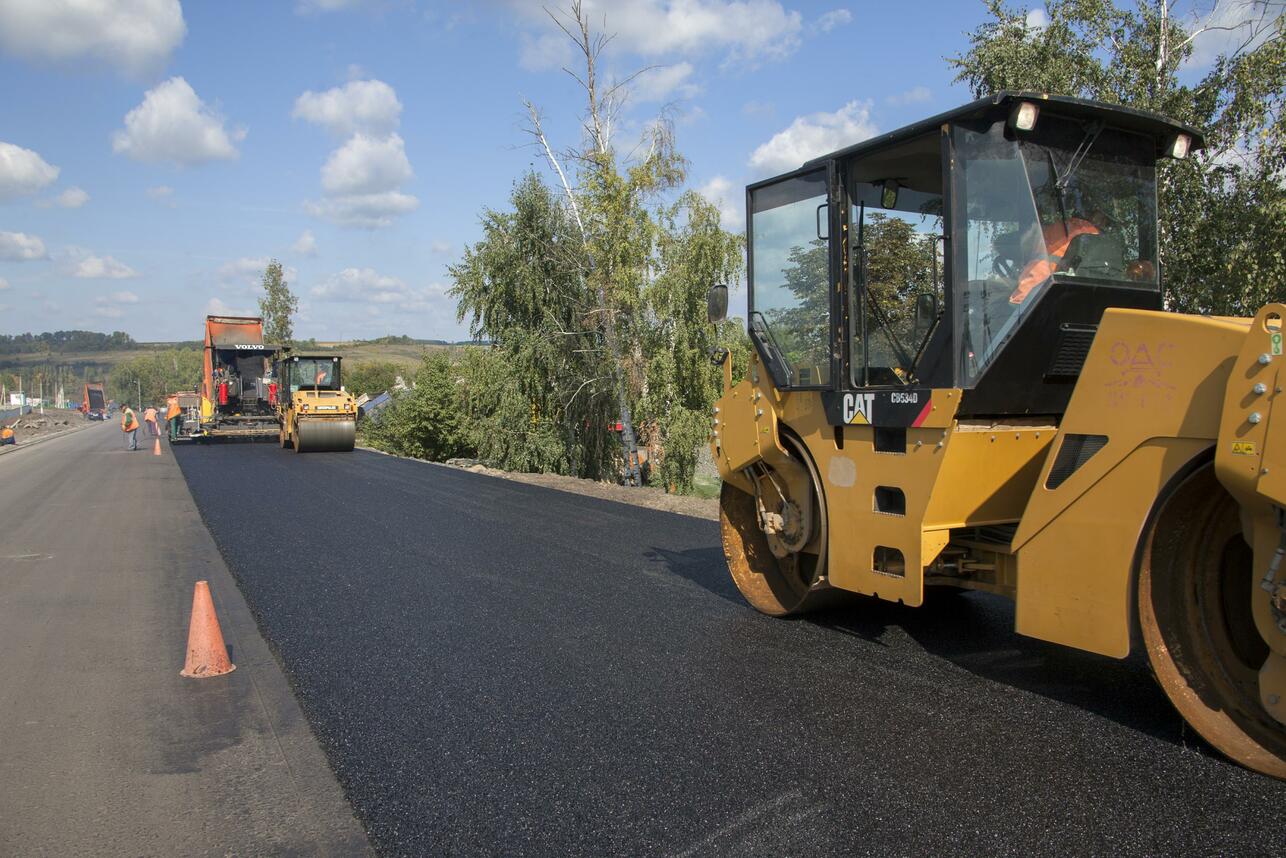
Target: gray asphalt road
x=497 y=668
x=104 y=748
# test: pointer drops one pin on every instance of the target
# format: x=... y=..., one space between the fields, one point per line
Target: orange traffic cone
x=207 y=656
x=156 y=448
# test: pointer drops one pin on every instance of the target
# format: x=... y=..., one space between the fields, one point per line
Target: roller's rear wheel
x=1195 y=586
x=776 y=586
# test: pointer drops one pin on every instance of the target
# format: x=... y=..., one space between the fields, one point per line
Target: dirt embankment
x=30 y=427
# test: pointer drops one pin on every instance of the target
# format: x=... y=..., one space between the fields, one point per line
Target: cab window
x=790 y=306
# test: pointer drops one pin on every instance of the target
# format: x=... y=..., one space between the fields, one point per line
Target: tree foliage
x=371 y=377
x=277 y=305
x=424 y=422
x=62 y=342
x=1222 y=208
x=158 y=374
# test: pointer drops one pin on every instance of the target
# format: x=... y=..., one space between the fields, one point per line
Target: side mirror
x=926 y=311
x=717 y=303
x=889 y=194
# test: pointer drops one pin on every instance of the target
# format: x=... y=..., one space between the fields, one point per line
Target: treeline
x=154 y=376
x=64 y=342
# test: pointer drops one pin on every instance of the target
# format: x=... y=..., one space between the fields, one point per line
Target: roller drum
x=325 y=435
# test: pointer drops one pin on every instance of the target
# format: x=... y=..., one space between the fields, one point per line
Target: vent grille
x=1074 y=343
x=1075 y=451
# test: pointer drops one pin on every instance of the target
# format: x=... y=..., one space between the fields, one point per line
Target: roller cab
x=962 y=378
x=315 y=412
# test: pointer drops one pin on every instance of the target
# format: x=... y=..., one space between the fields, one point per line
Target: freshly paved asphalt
x=498 y=668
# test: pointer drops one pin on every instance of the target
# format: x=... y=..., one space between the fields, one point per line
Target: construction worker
x=129 y=425
x=149 y=418
x=173 y=416
x=7 y=436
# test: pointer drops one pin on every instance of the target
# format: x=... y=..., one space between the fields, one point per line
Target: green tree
x=425 y=421
x=277 y=305
x=157 y=375
x=371 y=377
x=1221 y=209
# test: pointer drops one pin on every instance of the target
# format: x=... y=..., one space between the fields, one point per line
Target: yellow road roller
x=963 y=377
x=315 y=413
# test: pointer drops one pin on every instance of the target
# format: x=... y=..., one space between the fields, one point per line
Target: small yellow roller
x=315 y=413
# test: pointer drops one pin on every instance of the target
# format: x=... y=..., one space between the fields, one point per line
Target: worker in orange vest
x=129 y=425
x=173 y=416
x=149 y=418
x=1058 y=237
x=7 y=436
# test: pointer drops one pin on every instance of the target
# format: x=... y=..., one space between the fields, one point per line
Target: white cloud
x=20 y=247
x=306 y=244
x=247 y=272
x=832 y=19
x=366 y=165
x=23 y=172
x=305 y=7
x=361 y=105
x=914 y=95
x=110 y=306
x=361 y=182
x=746 y=30
x=367 y=211
x=659 y=83
x=1037 y=19
x=162 y=194
x=102 y=268
x=385 y=300
x=218 y=307
x=813 y=135
x=174 y=125
x=135 y=36
x=4 y=284
x=729 y=200
x=72 y=198
x=544 y=52
x=440 y=247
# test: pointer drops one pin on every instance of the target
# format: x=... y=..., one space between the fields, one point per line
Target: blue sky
x=154 y=154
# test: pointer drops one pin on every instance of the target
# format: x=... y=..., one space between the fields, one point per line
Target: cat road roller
x=315 y=413
x=962 y=377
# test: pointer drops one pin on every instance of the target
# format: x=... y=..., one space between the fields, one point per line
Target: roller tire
x=1195 y=581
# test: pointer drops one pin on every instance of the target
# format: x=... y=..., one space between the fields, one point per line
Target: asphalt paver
x=498 y=668
x=104 y=748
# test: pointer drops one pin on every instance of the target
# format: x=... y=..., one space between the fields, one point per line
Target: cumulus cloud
x=1037 y=19
x=23 y=172
x=72 y=198
x=306 y=244
x=20 y=247
x=832 y=19
x=380 y=291
x=367 y=211
x=173 y=125
x=360 y=105
x=134 y=36
x=4 y=284
x=366 y=165
x=111 y=306
x=93 y=267
x=660 y=83
x=914 y=95
x=730 y=201
x=219 y=307
x=743 y=30
x=247 y=272
x=813 y=135
x=544 y=51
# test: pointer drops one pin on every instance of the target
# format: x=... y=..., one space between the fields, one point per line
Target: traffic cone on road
x=156 y=448
x=207 y=656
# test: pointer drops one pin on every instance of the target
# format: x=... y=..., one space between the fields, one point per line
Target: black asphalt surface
x=495 y=668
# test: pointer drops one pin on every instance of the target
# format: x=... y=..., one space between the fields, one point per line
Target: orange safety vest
x=150 y=415
x=1058 y=237
x=128 y=421
x=172 y=409
x=6 y=432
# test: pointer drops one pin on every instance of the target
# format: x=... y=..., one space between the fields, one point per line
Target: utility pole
x=139 y=382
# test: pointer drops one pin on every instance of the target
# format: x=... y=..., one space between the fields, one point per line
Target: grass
x=706 y=485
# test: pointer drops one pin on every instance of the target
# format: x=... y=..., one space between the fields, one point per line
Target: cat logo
x=1243 y=448
x=859 y=408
